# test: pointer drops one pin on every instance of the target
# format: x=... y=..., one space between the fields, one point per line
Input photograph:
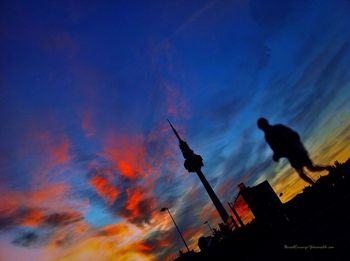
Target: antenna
x=176 y=134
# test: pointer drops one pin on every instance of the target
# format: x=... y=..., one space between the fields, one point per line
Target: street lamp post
x=206 y=222
x=177 y=228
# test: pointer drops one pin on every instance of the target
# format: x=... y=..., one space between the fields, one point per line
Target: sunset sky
x=87 y=158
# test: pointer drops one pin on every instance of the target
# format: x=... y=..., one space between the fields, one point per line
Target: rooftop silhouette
x=314 y=220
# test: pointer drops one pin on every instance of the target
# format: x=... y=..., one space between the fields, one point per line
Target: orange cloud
x=104 y=188
x=97 y=249
x=114 y=229
x=32 y=218
x=142 y=247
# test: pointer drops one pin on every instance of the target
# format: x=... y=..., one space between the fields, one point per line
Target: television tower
x=194 y=163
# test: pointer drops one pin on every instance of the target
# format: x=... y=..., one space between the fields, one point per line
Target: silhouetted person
x=285 y=143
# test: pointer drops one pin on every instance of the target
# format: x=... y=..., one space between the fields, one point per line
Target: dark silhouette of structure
x=263 y=202
x=194 y=163
x=316 y=219
x=286 y=143
x=317 y=227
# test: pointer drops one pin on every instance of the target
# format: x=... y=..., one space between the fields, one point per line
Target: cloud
x=138 y=208
x=105 y=188
x=62 y=219
x=114 y=229
x=37 y=217
x=129 y=173
x=128 y=155
x=31 y=217
x=50 y=196
x=27 y=239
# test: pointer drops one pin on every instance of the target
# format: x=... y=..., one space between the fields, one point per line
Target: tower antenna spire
x=194 y=163
x=176 y=134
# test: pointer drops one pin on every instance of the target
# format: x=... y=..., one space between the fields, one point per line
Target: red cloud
x=132 y=204
x=104 y=188
x=32 y=218
x=128 y=156
x=139 y=161
x=139 y=206
x=126 y=169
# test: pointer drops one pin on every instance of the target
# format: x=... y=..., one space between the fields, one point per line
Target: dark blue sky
x=86 y=88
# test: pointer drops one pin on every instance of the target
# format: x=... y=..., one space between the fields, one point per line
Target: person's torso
x=285 y=140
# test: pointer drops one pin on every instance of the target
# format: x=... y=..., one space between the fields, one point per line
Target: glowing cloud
x=104 y=188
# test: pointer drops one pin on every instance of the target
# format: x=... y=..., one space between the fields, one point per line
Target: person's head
x=262 y=123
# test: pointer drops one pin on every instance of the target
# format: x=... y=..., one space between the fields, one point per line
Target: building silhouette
x=263 y=202
x=314 y=225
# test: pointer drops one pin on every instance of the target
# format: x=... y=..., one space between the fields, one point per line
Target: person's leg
x=312 y=167
x=306 y=178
